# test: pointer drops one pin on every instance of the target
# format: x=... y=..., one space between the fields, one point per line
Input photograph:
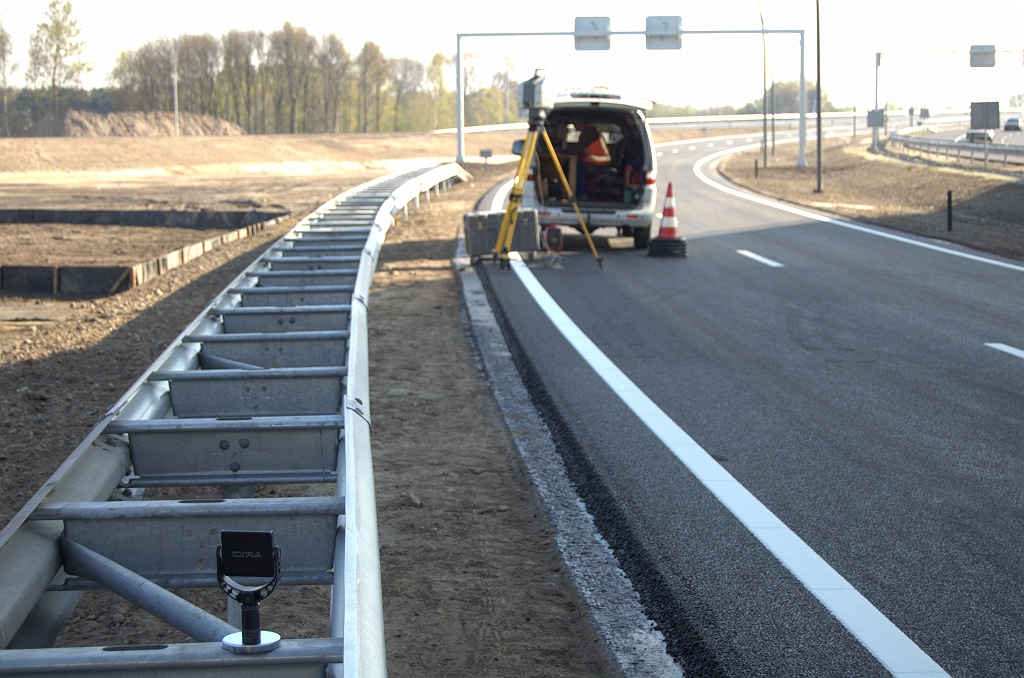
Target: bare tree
x=53 y=53
x=199 y=61
x=292 y=52
x=372 y=81
x=436 y=72
x=406 y=78
x=242 y=51
x=143 y=76
x=7 y=69
x=503 y=82
x=333 y=62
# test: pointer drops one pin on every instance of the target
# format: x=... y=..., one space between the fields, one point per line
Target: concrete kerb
x=632 y=644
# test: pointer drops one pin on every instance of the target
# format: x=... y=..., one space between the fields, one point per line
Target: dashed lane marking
x=757 y=257
x=1007 y=349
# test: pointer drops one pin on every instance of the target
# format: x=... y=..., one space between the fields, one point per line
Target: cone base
x=665 y=247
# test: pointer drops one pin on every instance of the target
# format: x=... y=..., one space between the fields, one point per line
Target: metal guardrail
x=916 y=139
x=268 y=385
x=713 y=120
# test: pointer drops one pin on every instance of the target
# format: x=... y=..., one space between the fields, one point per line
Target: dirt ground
x=911 y=196
x=131 y=124
x=472 y=581
x=92 y=244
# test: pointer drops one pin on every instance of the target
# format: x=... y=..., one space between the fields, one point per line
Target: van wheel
x=640 y=238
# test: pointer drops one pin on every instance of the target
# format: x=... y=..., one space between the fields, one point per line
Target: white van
x=613 y=177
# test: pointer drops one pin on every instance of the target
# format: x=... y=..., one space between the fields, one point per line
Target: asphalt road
x=850 y=390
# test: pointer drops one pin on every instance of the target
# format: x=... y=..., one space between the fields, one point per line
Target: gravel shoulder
x=910 y=196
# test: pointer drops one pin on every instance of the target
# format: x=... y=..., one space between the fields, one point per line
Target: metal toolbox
x=482 y=232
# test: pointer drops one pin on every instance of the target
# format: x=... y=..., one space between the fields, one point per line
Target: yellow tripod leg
x=515 y=199
x=572 y=196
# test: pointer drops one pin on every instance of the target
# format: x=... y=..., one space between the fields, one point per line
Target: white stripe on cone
x=669 y=224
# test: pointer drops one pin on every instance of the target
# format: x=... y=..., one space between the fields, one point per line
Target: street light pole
x=174 y=77
x=874 y=130
x=817 y=14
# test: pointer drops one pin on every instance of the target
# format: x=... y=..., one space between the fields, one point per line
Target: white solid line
x=757 y=257
x=699 y=165
x=498 y=203
x=897 y=653
x=1007 y=349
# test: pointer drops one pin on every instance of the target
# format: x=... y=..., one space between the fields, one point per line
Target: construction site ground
x=473 y=584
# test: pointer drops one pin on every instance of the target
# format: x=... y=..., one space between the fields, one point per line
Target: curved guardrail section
x=269 y=385
x=916 y=138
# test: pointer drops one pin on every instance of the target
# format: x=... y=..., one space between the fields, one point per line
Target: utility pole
x=874 y=130
x=817 y=30
x=174 y=77
x=764 y=89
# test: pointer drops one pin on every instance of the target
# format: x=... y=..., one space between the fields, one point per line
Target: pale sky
x=708 y=70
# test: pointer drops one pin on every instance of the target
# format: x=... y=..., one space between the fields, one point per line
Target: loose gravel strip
x=636 y=647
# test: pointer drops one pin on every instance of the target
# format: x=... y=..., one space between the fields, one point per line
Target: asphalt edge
x=634 y=645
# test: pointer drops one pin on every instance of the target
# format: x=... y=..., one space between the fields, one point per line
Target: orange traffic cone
x=668 y=242
x=669 y=223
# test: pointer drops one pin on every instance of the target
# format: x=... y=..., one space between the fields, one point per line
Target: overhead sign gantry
x=594 y=33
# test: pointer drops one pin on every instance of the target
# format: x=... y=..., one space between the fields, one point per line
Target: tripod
x=515 y=198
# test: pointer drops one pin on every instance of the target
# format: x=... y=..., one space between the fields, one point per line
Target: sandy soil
x=132 y=124
x=473 y=583
x=910 y=196
x=92 y=245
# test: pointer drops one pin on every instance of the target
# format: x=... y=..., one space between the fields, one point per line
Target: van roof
x=601 y=99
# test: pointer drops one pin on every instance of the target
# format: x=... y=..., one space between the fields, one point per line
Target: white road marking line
x=897 y=653
x=1007 y=349
x=692 y=148
x=675 y=150
x=710 y=145
x=498 y=203
x=749 y=139
x=660 y=154
x=697 y=166
x=728 y=143
x=757 y=257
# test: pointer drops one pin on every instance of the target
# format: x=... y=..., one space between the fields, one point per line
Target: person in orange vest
x=593 y=154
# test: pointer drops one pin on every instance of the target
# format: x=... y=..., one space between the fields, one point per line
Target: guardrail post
x=949 y=210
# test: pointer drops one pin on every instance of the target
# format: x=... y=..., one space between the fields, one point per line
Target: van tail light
x=529 y=176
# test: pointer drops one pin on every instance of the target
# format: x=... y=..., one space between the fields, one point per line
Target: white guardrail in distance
x=917 y=139
x=715 y=120
x=73 y=533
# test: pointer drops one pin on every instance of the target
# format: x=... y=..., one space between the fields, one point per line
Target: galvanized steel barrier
x=269 y=385
x=916 y=138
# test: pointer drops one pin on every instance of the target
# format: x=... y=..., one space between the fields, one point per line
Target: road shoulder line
x=636 y=647
x=896 y=652
x=699 y=164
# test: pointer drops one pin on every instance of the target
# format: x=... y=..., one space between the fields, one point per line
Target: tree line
x=287 y=81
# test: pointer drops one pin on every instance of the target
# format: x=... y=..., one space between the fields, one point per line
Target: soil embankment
x=132 y=124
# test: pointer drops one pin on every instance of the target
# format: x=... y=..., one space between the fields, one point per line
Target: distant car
x=1012 y=125
x=980 y=135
